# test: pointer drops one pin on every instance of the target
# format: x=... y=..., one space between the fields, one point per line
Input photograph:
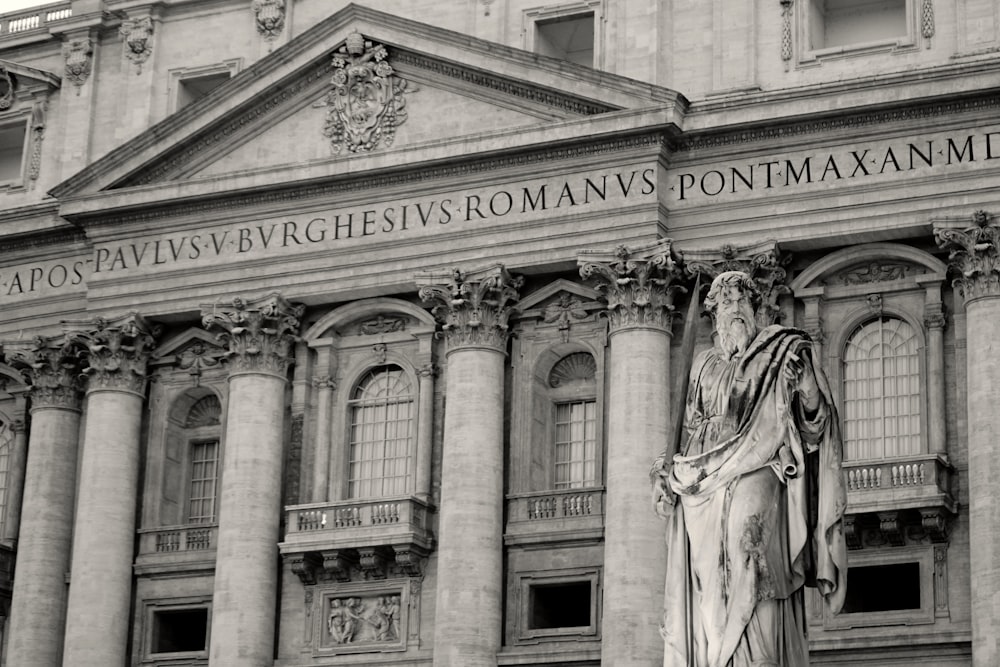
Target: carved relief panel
x=362 y=618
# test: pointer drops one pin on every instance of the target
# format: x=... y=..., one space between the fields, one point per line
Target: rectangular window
x=567 y=37
x=12 y=138
x=204 y=481
x=558 y=605
x=194 y=88
x=576 y=444
x=896 y=586
x=875 y=588
x=180 y=630
x=844 y=23
x=562 y=605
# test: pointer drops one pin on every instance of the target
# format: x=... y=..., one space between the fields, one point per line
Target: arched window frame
x=582 y=393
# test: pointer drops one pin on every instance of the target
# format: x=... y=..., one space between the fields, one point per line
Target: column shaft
x=38 y=607
x=15 y=482
x=245 y=597
x=470 y=554
x=984 y=477
x=321 y=445
x=634 y=566
x=425 y=432
x=104 y=532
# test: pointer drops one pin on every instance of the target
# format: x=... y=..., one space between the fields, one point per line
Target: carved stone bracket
x=269 y=17
x=52 y=367
x=373 y=561
x=973 y=254
x=764 y=262
x=638 y=285
x=474 y=306
x=117 y=351
x=138 y=40
x=78 y=52
x=306 y=566
x=365 y=104
x=891 y=526
x=259 y=333
x=852 y=531
x=935 y=523
x=338 y=563
x=409 y=558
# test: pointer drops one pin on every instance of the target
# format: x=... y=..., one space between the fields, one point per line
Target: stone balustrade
x=34 y=18
x=173 y=539
x=549 y=515
x=354 y=523
x=912 y=482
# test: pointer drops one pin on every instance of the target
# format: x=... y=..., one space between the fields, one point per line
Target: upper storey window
x=836 y=23
x=573 y=392
x=569 y=38
x=12 y=138
x=882 y=393
x=194 y=88
x=381 y=437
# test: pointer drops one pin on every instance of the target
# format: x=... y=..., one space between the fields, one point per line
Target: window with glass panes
x=204 y=481
x=882 y=390
x=381 y=436
x=6 y=442
x=576 y=444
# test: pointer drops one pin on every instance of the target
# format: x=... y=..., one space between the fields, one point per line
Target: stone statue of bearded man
x=755 y=498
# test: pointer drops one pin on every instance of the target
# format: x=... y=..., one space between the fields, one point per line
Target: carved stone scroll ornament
x=259 y=334
x=117 y=351
x=6 y=89
x=366 y=103
x=638 y=285
x=473 y=307
x=51 y=366
x=37 y=136
x=269 y=17
x=138 y=42
x=764 y=262
x=78 y=52
x=974 y=255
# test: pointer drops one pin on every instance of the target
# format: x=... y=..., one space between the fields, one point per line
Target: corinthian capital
x=973 y=254
x=474 y=306
x=51 y=366
x=763 y=262
x=259 y=333
x=116 y=351
x=638 y=284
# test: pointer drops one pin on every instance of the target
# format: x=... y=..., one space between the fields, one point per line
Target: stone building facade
x=340 y=334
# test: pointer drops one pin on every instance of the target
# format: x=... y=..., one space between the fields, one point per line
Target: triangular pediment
x=438 y=94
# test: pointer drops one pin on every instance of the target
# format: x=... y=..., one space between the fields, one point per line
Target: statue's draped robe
x=761 y=500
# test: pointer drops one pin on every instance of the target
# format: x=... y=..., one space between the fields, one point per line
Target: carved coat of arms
x=366 y=103
x=138 y=36
x=269 y=15
x=77 y=53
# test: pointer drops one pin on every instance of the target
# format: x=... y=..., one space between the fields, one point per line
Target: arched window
x=573 y=393
x=202 y=429
x=381 y=435
x=881 y=390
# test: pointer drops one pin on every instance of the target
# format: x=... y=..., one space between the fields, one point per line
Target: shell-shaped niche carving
x=575 y=368
x=206 y=412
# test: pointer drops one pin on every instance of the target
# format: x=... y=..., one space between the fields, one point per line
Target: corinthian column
x=38 y=607
x=260 y=335
x=637 y=285
x=100 y=592
x=975 y=259
x=473 y=308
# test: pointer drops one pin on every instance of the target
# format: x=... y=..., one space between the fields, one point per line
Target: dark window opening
x=12 y=139
x=845 y=22
x=882 y=588
x=565 y=605
x=196 y=87
x=180 y=630
x=570 y=38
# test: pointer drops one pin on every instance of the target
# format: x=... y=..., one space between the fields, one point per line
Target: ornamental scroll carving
x=6 y=89
x=269 y=17
x=259 y=334
x=366 y=103
x=638 y=285
x=973 y=254
x=77 y=53
x=51 y=366
x=472 y=307
x=116 y=350
x=138 y=40
x=763 y=262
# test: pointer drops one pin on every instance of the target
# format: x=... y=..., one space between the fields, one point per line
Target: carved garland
x=366 y=103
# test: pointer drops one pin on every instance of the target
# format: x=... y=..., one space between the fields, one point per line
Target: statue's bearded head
x=733 y=299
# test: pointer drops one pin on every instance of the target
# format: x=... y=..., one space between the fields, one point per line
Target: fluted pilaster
x=473 y=308
x=100 y=590
x=639 y=287
x=260 y=335
x=52 y=369
x=974 y=259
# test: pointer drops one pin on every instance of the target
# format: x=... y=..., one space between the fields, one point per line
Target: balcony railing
x=547 y=515
x=33 y=18
x=913 y=482
x=174 y=539
x=352 y=523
